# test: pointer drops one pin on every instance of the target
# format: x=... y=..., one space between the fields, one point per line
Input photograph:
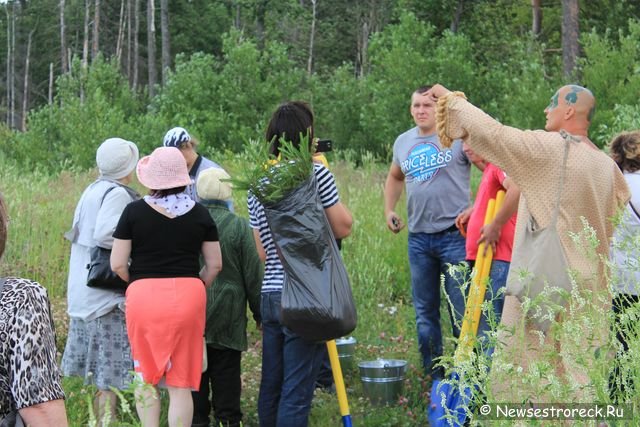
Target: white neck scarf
x=174 y=204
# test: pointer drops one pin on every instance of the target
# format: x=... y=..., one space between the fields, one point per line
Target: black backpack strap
x=130 y=191
x=633 y=208
x=105 y=194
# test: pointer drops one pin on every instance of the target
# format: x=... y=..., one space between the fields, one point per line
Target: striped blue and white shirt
x=273 y=270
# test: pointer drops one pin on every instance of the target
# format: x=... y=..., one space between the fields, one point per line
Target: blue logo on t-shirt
x=424 y=161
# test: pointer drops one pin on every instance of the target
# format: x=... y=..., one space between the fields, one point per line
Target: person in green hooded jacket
x=239 y=283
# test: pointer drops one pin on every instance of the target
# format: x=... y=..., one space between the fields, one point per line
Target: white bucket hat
x=116 y=158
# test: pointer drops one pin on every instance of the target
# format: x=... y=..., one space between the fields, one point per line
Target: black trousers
x=222 y=378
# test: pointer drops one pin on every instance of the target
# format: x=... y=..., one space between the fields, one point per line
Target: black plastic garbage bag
x=317 y=303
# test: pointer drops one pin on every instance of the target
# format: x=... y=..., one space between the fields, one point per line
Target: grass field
x=41 y=208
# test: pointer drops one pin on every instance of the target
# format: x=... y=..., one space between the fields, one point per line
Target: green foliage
x=514 y=90
x=197 y=26
x=189 y=96
x=91 y=105
x=626 y=118
x=252 y=84
x=269 y=178
x=404 y=57
x=600 y=15
x=493 y=41
x=225 y=101
x=338 y=103
x=610 y=69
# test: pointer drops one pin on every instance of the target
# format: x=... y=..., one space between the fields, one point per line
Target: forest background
x=78 y=71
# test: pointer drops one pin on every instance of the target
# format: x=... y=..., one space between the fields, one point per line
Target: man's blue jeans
x=429 y=256
x=289 y=370
x=498 y=279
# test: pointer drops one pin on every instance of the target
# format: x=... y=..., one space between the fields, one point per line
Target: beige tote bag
x=540 y=257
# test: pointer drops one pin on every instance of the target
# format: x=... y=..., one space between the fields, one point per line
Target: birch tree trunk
x=370 y=17
x=8 y=74
x=362 y=47
x=261 y=10
x=236 y=19
x=63 y=40
x=151 y=47
x=121 y=31
x=95 y=46
x=136 y=45
x=50 y=99
x=536 y=24
x=85 y=40
x=455 y=22
x=25 y=93
x=570 y=34
x=129 y=29
x=166 y=40
x=312 y=36
x=12 y=83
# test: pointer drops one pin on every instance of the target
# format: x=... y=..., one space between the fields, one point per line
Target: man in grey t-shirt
x=437 y=183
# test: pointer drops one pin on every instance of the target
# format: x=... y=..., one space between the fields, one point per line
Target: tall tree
x=166 y=40
x=25 y=93
x=151 y=47
x=455 y=21
x=50 y=97
x=95 y=46
x=536 y=23
x=85 y=37
x=261 y=11
x=121 y=32
x=129 y=48
x=9 y=59
x=12 y=71
x=136 y=44
x=237 y=16
x=362 y=43
x=312 y=35
x=63 y=40
x=570 y=34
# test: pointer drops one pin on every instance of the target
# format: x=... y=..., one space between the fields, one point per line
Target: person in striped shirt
x=289 y=362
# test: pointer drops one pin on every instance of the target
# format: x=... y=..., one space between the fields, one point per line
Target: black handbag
x=100 y=274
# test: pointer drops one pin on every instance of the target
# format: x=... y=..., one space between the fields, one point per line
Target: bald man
x=571 y=108
x=593 y=191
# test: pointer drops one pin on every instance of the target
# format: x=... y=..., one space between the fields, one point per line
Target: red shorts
x=165 y=324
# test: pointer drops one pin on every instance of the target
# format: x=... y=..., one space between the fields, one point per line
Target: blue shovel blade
x=435 y=411
x=456 y=404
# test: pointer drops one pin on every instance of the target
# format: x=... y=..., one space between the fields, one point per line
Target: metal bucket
x=382 y=380
x=346 y=350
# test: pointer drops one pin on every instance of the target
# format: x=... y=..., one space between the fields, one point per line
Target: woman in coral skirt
x=164 y=235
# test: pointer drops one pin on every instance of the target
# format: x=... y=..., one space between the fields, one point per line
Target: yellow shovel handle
x=337 y=377
x=486 y=269
x=473 y=308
